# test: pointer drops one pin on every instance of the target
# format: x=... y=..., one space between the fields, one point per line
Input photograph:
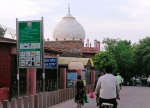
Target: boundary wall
x=43 y=100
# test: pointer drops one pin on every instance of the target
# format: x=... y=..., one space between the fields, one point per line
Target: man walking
x=119 y=79
x=107 y=88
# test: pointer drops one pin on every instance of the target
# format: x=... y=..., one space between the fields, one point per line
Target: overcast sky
x=124 y=19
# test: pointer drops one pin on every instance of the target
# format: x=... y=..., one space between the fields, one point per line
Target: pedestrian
x=107 y=88
x=144 y=81
x=148 y=81
x=122 y=81
x=80 y=92
x=119 y=79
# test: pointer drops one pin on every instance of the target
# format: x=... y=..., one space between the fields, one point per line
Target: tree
x=109 y=44
x=2 y=32
x=142 y=57
x=121 y=50
x=102 y=59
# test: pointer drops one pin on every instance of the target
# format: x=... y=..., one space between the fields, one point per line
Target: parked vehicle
x=136 y=81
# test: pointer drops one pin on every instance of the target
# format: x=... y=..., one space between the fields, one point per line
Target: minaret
x=68 y=15
x=87 y=42
x=68 y=8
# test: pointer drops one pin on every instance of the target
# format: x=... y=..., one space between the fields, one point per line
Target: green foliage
x=129 y=60
x=123 y=55
x=121 y=50
x=142 y=57
x=120 y=54
x=109 y=44
x=102 y=59
x=2 y=32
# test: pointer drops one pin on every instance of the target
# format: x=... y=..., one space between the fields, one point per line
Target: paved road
x=131 y=97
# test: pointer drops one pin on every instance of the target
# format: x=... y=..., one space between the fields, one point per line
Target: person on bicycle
x=107 y=88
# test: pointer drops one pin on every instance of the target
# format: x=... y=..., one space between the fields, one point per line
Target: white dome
x=69 y=29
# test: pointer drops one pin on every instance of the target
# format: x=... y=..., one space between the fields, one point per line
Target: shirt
x=107 y=87
x=84 y=82
x=122 y=80
x=148 y=79
x=119 y=79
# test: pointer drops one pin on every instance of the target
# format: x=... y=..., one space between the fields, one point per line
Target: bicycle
x=107 y=105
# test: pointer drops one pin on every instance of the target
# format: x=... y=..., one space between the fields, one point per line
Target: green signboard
x=30 y=44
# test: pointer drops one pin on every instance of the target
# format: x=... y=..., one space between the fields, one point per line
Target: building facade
x=68 y=44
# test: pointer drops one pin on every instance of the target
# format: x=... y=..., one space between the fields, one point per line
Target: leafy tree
x=102 y=59
x=123 y=55
x=142 y=57
x=109 y=44
x=2 y=32
x=130 y=60
x=121 y=50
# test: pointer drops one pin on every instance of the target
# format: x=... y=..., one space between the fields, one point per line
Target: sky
x=123 y=19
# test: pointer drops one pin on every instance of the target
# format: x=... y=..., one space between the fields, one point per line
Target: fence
x=42 y=100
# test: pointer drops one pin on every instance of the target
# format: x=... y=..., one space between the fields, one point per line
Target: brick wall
x=5 y=64
x=69 y=48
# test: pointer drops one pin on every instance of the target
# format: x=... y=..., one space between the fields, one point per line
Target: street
x=130 y=97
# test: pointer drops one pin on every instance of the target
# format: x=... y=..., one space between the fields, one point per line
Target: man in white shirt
x=107 y=88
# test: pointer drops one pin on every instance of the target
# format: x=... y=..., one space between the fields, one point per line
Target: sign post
x=43 y=66
x=29 y=45
x=52 y=63
x=18 y=90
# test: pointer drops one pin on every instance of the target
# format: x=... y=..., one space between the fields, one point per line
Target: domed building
x=69 y=37
x=69 y=29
